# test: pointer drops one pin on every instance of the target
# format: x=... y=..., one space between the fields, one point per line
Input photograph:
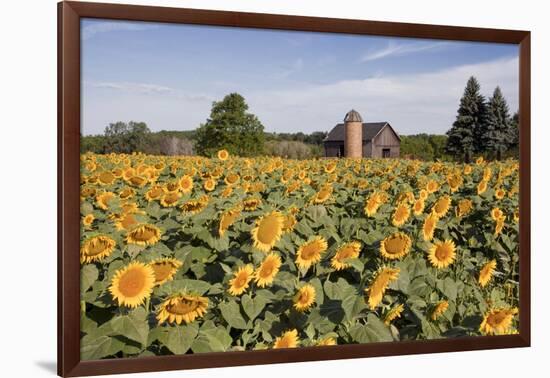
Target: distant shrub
x=289 y=149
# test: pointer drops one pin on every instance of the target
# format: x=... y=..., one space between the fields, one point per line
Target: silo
x=353 y=135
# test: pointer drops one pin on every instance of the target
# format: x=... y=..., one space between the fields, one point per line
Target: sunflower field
x=191 y=254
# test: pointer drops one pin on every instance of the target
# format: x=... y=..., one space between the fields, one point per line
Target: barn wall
x=386 y=139
x=367 y=149
x=332 y=148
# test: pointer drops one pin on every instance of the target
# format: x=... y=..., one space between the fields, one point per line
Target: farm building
x=356 y=139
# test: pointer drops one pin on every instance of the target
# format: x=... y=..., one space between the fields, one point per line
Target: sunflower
x=395 y=246
x=194 y=206
x=378 y=287
x=104 y=199
x=498 y=321
x=304 y=298
x=400 y=215
x=96 y=248
x=223 y=155
x=132 y=284
x=268 y=269
x=423 y=194
x=251 y=204
x=439 y=309
x=91 y=166
x=516 y=215
x=499 y=194
x=182 y=308
x=106 y=178
x=496 y=213
x=126 y=193
x=323 y=195
x=499 y=225
x=442 y=253
x=227 y=219
x=143 y=234
x=289 y=222
x=418 y=207
x=186 y=184
x=128 y=173
x=130 y=208
x=154 y=193
x=138 y=181
x=454 y=181
x=432 y=186
x=170 y=199
x=88 y=220
x=464 y=207
x=231 y=179
x=330 y=167
x=241 y=279
x=347 y=251
x=310 y=252
x=441 y=206
x=429 y=226
x=486 y=273
x=372 y=205
x=481 y=187
x=125 y=222
x=268 y=231
x=288 y=339
x=86 y=192
x=326 y=341
x=292 y=187
x=227 y=192
x=393 y=314
x=165 y=269
x=480 y=160
x=209 y=185
x=487 y=174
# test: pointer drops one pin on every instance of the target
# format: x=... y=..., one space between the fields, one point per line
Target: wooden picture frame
x=69 y=90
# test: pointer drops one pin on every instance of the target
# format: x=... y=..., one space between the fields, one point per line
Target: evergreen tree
x=230 y=127
x=499 y=133
x=515 y=130
x=465 y=134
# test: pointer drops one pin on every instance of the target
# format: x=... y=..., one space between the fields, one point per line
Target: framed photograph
x=240 y=188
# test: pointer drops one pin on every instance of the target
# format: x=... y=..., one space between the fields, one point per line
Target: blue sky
x=168 y=75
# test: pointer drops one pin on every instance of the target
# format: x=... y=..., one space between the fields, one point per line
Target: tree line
x=122 y=137
x=230 y=126
x=483 y=126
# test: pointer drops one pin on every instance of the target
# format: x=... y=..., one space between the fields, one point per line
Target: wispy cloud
x=147 y=89
x=94 y=28
x=294 y=67
x=393 y=49
x=413 y=103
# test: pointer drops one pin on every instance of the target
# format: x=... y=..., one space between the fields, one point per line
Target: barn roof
x=370 y=130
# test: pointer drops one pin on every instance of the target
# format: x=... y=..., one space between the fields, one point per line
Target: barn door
x=385 y=152
x=341 y=152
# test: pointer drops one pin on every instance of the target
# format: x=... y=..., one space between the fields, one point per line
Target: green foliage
x=254 y=319
x=465 y=134
x=120 y=137
x=481 y=127
x=126 y=138
x=424 y=146
x=230 y=127
x=500 y=131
